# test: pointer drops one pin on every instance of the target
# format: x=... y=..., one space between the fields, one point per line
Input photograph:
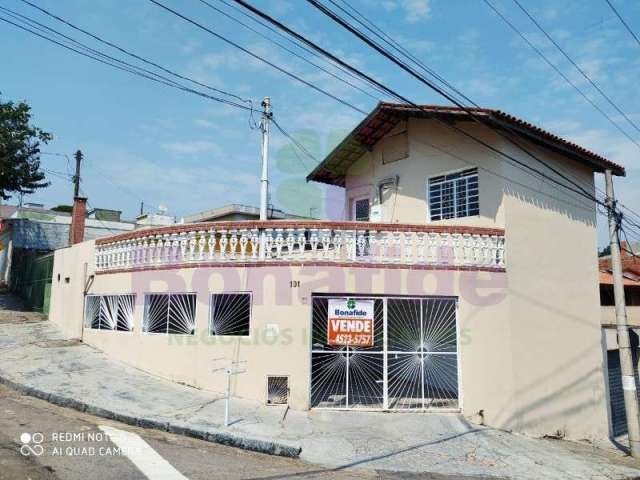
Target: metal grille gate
x=413 y=363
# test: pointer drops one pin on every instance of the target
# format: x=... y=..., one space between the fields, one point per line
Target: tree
x=20 y=150
x=63 y=208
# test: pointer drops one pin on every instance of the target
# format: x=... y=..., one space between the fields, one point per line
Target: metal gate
x=413 y=363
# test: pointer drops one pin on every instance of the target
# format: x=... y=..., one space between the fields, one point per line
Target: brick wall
x=78 y=215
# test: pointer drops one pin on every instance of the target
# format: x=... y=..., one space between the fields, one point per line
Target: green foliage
x=20 y=150
x=63 y=208
x=605 y=251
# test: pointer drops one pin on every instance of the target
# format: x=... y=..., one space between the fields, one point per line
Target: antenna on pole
x=264 y=180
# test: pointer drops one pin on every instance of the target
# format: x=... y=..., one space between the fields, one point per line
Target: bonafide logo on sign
x=350 y=322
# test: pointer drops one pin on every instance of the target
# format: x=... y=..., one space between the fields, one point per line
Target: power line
x=132 y=69
x=288 y=50
x=626 y=25
x=580 y=190
x=105 y=58
x=258 y=57
x=297 y=145
x=378 y=32
x=105 y=176
x=559 y=72
x=293 y=42
x=577 y=67
x=134 y=55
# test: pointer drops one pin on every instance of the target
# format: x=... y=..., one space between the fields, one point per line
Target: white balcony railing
x=300 y=242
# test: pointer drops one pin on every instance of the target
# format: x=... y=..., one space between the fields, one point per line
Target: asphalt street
x=77 y=446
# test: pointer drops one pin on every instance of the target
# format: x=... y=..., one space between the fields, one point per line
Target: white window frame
x=195 y=314
x=444 y=174
x=209 y=323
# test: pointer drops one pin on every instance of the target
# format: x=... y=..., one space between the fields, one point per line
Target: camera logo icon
x=31 y=444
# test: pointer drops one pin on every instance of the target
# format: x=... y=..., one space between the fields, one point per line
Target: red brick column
x=78 y=215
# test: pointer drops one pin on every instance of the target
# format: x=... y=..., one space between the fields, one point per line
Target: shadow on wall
x=538 y=400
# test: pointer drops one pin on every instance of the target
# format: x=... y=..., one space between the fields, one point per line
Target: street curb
x=246 y=443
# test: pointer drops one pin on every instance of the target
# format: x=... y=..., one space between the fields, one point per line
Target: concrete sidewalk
x=36 y=359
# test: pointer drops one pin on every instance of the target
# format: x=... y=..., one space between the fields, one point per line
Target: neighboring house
x=235 y=212
x=154 y=220
x=459 y=281
x=29 y=235
x=631 y=280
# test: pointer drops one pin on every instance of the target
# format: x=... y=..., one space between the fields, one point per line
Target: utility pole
x=264 y=180
x=76 y=177
x=624 y=345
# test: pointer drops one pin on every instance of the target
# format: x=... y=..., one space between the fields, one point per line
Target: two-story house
x=463 y=279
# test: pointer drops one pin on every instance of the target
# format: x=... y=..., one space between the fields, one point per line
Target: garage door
x=410 y=362
x=616 y=394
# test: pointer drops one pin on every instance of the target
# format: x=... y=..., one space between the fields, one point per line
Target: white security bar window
x=454 y=195
x=110 y=312
x=230 y=314
x=170 y=313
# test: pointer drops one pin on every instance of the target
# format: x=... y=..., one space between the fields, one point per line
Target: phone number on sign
x=350 y=339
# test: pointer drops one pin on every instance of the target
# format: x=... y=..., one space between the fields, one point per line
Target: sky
x=146 y=142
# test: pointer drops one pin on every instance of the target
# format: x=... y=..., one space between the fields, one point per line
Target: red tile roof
x=386 y=115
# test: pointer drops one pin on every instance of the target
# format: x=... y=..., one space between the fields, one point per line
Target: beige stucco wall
x=554 y=300
x=551 y=362
x=191 y=359
x=72 y=270
x=433 y=150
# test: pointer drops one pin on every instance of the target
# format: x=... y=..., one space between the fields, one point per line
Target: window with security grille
x=361 y=210
x=109 y=312
x=230 y=314
x=454 y=195
x=170 y=313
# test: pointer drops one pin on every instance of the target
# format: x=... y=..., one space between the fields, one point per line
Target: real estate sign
x=350 y=322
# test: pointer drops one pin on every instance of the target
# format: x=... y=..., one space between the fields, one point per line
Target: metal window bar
x=230 y=314
x=92 y=311
x=455 y=195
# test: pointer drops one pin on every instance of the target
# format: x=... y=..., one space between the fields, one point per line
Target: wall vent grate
x=277 y=390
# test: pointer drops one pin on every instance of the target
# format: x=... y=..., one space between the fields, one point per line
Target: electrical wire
x=361 y=19
x=136 y=56
x=622 y=20
x=378 y=32
x=258 y=57
x=294 y=43
x=118 y=65
x=577 y=67
x=112 y=61
x=560 y=72
x=297 y=145
x=288 y=50
x=579 y=190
